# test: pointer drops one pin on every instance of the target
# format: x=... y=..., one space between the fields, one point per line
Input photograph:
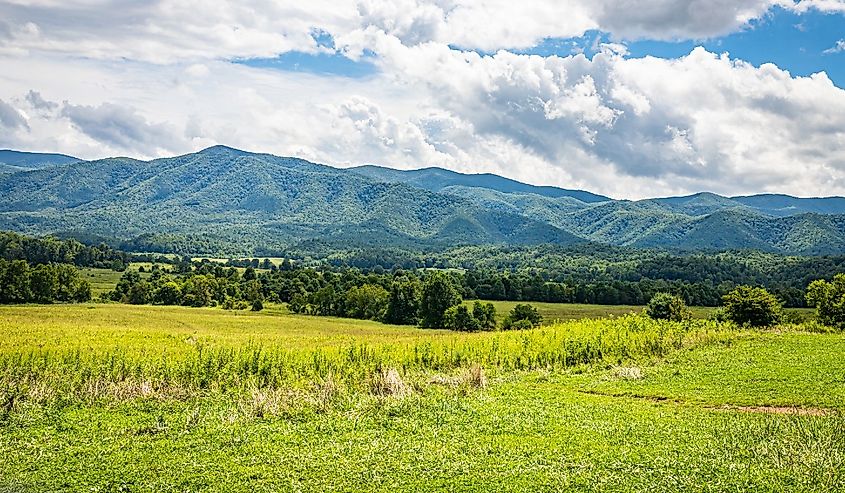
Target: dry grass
x=388 y=383
x=628 y=373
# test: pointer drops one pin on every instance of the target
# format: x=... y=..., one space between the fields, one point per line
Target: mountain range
x=226 y=201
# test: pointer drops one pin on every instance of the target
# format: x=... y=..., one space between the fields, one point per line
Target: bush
x=666 y=306
x=523 y=316
x=752 y=306
x=829 y=300
x=257 y=305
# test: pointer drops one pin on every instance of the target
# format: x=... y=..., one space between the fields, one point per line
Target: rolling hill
x=223 y=200
x=14 y=161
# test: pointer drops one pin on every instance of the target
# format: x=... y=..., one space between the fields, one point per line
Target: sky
x=627 y=98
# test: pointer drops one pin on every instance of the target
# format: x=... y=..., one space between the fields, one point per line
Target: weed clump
x=388 y=383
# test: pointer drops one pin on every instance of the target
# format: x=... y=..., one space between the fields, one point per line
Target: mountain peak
x=221 y=149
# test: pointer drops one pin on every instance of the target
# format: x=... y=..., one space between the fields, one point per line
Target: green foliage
x=50 y=250
x=666 y=306
x=522 y=316
x=752 y=306
x=368 y=302
x=298 y=303
x=45 y=283
x=459 y=318
x=438 y=295
x=829 y=300
x=257 y=305
x=485 y=314
x=403 y=307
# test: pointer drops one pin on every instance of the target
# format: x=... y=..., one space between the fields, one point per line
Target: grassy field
x=122 y=398
x=103 y=280
x=575 y=311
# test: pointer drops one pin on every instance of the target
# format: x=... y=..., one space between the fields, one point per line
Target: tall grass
x=72 y=373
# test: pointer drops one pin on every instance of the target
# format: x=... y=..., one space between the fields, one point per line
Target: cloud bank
x=149 y=79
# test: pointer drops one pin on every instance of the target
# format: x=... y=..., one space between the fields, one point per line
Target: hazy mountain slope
x=785 y=205
x=774 y=205
x=14 y=161
x=436 y=179
x=697 y=222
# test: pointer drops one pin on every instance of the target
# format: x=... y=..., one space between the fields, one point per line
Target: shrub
x=522 y=316
x=752 y=306
x=298 y=303
x=666 y=306
x=829 y=300
x=257 y=305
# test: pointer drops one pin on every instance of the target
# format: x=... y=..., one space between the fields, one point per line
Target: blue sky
x=802 y=44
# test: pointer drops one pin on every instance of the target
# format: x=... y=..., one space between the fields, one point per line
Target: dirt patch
x=654 y=398
x=793 y=410
x=798 y=411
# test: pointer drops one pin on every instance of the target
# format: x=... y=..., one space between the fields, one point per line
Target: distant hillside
x=774 y=205
x=14 y=161
x=436 y=179
x=223 y=200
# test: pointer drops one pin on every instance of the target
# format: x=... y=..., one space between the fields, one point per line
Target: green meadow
x=109 y=397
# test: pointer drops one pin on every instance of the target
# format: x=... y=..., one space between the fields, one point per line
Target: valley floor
x=734 y=411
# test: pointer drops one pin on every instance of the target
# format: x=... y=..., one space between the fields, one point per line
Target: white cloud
x=821 y=5
x=837 y=48
x=167 y=31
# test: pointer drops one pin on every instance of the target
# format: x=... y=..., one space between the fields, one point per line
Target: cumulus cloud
x=832 y=6
x=10 y=117
x=122 y=127
x=39 y=103
x=164 y=31
x=692 y=121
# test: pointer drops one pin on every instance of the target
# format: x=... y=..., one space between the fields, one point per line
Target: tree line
x=44 y=283
x=428 y=299
x=51 y=250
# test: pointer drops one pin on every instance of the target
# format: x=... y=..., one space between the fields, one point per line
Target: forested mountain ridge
x=250 y=201
x=223 y=200
x=436 y=179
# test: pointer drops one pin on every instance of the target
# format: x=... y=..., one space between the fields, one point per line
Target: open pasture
x=108 y=397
